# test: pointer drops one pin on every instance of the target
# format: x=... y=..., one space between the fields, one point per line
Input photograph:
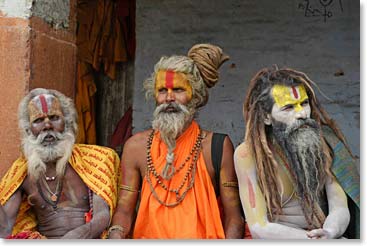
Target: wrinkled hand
x=319 y=234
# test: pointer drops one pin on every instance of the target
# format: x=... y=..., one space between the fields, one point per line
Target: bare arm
x=3 y=223
x=128 y=194
x=8 y=213
x=234 y=223
x=98 y=223
x=253 y=201
x=338 y=218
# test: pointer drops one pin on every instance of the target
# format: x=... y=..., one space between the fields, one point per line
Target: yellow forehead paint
x=293 y=95
x=43 y=106
x=170 y=80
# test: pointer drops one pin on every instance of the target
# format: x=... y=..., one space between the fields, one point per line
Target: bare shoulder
x=244 y=157
x=243 y=151
x=134 y=152
x=138 y=140
x=208 y=135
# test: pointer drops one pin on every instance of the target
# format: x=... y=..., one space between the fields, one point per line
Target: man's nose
x=48 y=124
x=300 y=112
x=170 y=96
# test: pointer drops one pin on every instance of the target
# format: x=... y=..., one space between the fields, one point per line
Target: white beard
x=171 y=125
x=38 y=155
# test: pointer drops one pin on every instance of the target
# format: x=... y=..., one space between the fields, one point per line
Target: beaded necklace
x=54 y=196
x=189 y=176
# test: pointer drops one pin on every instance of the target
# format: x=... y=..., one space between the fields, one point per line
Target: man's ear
x=267 y=119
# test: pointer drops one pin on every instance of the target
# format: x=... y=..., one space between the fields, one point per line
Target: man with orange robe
x=57 y=189
x=171 y=164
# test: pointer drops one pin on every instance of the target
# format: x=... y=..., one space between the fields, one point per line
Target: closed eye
x=305 y=102
x=179 y=89
x=54 y=117
x=287 y=107
x=38 y=120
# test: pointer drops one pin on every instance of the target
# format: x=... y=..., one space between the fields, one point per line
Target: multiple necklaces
x=53 y=197
x=188 y=178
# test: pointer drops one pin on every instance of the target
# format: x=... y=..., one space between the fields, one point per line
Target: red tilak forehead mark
x=295 y=93
x=169 y=79
x=43 y=104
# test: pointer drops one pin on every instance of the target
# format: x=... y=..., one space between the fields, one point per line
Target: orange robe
x=197 y=216
x=85 y=105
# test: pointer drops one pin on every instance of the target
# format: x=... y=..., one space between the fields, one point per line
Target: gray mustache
x=178 y=108
x=300 y=123
x=56 y=135
x=173 y=105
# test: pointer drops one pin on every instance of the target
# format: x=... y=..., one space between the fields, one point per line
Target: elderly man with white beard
x=297 y=176
x=57 y=189
x=170 y=166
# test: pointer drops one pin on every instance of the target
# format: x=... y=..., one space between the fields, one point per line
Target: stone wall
x=322 y=41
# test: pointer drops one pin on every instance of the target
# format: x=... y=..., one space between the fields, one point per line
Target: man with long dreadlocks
x=294 y=168
x=56 y=189
x=171 y=164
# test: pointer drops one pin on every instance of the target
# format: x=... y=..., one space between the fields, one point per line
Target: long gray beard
x=38 y=155
x=302 y=146
x=171 y=125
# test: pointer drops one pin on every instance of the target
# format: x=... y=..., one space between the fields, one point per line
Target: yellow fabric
x=197 y=216
x=294 y=95
x=98 y=167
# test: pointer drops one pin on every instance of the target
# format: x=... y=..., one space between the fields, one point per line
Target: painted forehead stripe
x=43 y=103
x=295 y=92
x=169 y=78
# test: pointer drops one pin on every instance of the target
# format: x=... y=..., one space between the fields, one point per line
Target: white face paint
x=291 y=103
x=289 y=114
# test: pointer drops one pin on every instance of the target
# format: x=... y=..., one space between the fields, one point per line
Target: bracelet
x=230 y=184
x=115 y=227
x=127 y=188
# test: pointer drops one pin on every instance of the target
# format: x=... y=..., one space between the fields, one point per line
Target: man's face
x=45 y=115
x=291 y=104
x=172 y=87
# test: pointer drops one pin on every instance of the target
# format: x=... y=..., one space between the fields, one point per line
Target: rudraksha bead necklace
x=189 y=176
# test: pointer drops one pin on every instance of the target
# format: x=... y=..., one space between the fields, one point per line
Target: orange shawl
x=197 y=216
x=98 y=167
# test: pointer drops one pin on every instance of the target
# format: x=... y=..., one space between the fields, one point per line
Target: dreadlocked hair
x=258 y=103
x=201 y=67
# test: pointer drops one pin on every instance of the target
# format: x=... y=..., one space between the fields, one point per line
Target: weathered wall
x=16 y=8
x=113 y=98
x=255 y=34
x=53 y=57
x=53 y=12
x=33 y=53
x=53 y=49
x=14 y=77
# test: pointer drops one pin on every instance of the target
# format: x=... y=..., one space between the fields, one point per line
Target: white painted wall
x=255 y=34
x=16 y=8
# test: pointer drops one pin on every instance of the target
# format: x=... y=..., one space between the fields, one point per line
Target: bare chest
x=47 y=195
